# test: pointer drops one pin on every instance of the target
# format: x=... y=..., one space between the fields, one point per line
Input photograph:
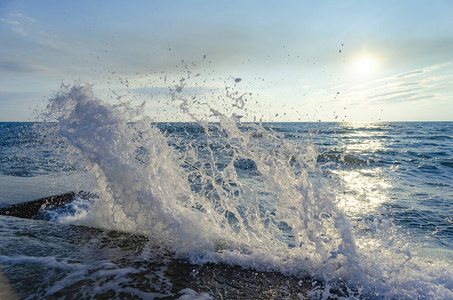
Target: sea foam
x=278 y=215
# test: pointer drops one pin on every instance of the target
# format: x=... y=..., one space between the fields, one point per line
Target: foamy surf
x=136 y=166
x=235 y=194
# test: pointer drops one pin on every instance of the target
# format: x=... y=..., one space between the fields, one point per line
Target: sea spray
x=141 y=186
x=237 y=176
x=232 y=192
x=235 y=193
x=282 y=218
x=288 y=214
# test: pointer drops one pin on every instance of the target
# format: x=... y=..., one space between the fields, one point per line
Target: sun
x=365 y=64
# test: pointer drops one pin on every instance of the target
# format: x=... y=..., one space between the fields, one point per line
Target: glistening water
x=340 y=210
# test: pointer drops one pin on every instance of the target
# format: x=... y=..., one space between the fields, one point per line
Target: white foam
x=149 y=196
x=241 y=219
x=189 y=294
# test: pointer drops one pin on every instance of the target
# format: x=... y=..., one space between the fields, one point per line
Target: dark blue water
x=387 y=178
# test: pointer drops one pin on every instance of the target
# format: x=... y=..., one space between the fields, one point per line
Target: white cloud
x=10 y=22
x=17 y=26
x=21 y=16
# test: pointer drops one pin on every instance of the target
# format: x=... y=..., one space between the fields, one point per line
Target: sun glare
x=365 y=65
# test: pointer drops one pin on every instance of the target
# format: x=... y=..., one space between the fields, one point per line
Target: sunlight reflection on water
x=364 y=191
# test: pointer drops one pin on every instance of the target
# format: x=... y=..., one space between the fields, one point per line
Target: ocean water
x=225 y=209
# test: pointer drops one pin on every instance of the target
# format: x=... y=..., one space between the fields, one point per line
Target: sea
x=224 y=209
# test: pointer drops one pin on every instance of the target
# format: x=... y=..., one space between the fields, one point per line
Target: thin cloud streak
x=18 y=15
x=416 y=85
x=16 y=67
x=9 y=22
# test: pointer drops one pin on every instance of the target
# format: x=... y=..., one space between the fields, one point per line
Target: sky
x=353 y=61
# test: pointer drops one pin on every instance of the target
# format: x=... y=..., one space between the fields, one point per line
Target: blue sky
x=300 y=60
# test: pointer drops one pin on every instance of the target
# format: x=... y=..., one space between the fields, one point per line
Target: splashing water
x=229 y=192
x=144 y=188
